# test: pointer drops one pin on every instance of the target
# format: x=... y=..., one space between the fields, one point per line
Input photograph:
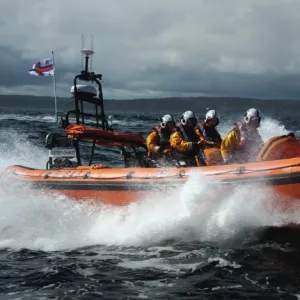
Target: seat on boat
x=212 y=156
x=279 y=147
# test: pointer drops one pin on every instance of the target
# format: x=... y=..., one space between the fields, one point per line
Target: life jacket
x=210 y=134
x=187 y=138
x=203 y=131
x=243 y=136
x=189 y=158
x=164 y=137
x=279 y=147
x=249 y=144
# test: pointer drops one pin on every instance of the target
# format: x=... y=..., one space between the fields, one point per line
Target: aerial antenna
x=92 y=48
x=82 y=47
x=86 y=53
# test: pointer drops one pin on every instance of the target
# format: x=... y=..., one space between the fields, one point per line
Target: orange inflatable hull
x=121 y=186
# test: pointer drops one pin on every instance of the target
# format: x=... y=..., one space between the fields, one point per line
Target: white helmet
x=252 y=114
x=189 y=118
x=166 y=119
x=211 y=114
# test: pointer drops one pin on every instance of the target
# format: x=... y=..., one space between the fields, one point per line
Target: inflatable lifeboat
x=73 y=169
x=277 y=167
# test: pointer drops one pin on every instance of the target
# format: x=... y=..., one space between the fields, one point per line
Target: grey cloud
x=209 y=82
x=14 y=69
x=244 y=48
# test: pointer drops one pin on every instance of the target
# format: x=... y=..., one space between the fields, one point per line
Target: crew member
x=243 y=142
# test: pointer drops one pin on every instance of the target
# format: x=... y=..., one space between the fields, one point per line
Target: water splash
x=38 y=220
x=270 y=127
x=15 y=149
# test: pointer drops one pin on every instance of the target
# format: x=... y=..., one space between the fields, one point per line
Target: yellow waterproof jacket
x=152 y=140
x=183 y=144
x=206 y=143
x=229 y=144
x=241 y=145
x=201 y=136
x=179 y=144
x=158 y=137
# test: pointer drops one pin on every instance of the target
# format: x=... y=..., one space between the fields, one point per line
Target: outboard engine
x=61 y=151
x=54 y=140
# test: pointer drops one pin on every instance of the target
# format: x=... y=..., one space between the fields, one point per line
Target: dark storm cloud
x=14 y=69
x=244 y=48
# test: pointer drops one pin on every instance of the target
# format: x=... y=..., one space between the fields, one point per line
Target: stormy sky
x=157 y=48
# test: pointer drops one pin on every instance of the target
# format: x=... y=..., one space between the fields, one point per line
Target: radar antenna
x=82 y=47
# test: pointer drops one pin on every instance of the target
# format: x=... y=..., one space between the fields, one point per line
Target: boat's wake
x=31 y=219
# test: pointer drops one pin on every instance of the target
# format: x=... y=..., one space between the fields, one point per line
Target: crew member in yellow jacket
x=158 y=141
x=242 y=144
x=184 y=140
x=208 y=134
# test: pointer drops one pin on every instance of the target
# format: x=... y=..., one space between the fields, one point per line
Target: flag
x=44 y=67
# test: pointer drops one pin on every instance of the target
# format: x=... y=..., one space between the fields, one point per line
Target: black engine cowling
x=57 y=140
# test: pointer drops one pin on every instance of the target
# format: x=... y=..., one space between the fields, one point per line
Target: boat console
x=67 y=150
x=86 y=95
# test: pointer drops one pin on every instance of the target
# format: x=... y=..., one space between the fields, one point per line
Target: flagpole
x=54 y=86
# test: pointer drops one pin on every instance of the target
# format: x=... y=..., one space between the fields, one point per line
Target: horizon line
x=161 y=98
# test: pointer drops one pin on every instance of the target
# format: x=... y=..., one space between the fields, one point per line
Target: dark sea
x=162 y=248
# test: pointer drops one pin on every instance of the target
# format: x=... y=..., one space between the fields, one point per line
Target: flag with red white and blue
x=44 y=67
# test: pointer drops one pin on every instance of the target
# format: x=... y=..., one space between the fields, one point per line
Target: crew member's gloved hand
x=156 y=149
x=211 y=143
x=197 y=145
x=228 y=160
